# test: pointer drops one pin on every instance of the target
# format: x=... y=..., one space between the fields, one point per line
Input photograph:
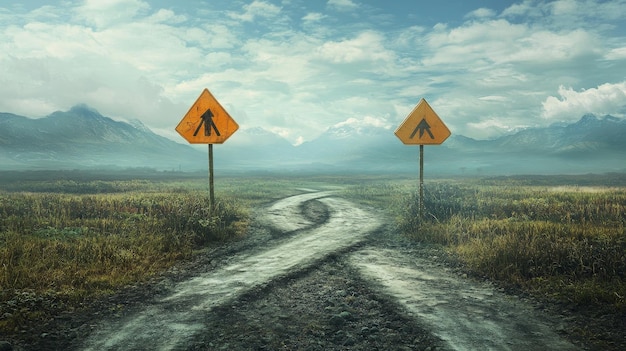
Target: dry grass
x=69 y=236
x=568 y=244
x=71 y=247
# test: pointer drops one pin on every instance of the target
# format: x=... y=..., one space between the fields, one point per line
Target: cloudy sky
x=298 y=67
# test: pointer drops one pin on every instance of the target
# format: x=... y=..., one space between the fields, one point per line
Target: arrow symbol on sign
x=207 y=120
x=423 y=126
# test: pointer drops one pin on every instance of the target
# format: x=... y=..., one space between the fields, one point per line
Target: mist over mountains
x=82 y=138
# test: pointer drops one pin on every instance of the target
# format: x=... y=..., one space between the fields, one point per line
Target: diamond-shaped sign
x=207 y=122
x=422 y=127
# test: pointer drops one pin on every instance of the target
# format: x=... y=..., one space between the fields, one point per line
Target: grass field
x=557 y=237
x=68 y=237
x=69 y=241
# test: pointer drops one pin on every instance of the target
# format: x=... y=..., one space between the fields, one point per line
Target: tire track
x=171 y=321
x=466 y=315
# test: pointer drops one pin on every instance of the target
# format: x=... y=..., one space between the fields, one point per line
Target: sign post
x=211 y=187
x=207 y=122
x=422 y=127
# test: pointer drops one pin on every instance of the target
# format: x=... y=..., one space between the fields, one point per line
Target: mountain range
x=82 y=138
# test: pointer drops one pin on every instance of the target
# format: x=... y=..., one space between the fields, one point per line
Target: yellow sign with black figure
x=207 y=122
x=422 y=127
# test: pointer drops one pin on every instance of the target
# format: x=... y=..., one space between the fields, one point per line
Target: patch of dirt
x=326 y=308
x=315 y=211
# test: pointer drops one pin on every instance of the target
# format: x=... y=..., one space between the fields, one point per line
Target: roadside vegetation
x=561 y=237
x=67 y=241
x=568 y=243
x=68 y=237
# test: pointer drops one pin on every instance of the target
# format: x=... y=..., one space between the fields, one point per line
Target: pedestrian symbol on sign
x=207 y=121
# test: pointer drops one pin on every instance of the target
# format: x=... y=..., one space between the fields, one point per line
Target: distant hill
x=590 y=145
x=83 y=138
x=588 y=136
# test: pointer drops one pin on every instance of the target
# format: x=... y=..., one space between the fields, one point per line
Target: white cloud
x=287 y=61
x=256 y=9
x=409 y=37
x=342 y=5
x=313 y=17
x=367 y=121
x=38 y=39
x=217 y=36
x=30 y=107
x=565 y=7
x=570 y=105
x=107 y=13
x=166 y=16
x=366 y=46
x=490 y=41
x=481 y=13
x=494 y=98
x=487 y=128
x=119 y=68
x=547 y=47
x=525 y=8
x=283 y=132
x=616 y=54
x=499 y=41
x=218 y=59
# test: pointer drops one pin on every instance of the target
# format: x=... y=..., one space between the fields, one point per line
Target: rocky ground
x=325 y=305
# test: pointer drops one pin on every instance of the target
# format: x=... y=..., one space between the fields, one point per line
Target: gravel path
x=170 y=322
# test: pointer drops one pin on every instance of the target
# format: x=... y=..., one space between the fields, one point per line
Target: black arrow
x=422 y=126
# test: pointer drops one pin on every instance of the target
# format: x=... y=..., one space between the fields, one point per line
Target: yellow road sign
x=207 y=122
x=422 y=127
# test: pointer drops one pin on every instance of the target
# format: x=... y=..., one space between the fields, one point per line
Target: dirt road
x=467 y=315
x=171 y=321
x=324 y=282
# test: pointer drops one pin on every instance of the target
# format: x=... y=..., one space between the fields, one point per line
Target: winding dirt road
x=462 y=314
x=176 y=318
